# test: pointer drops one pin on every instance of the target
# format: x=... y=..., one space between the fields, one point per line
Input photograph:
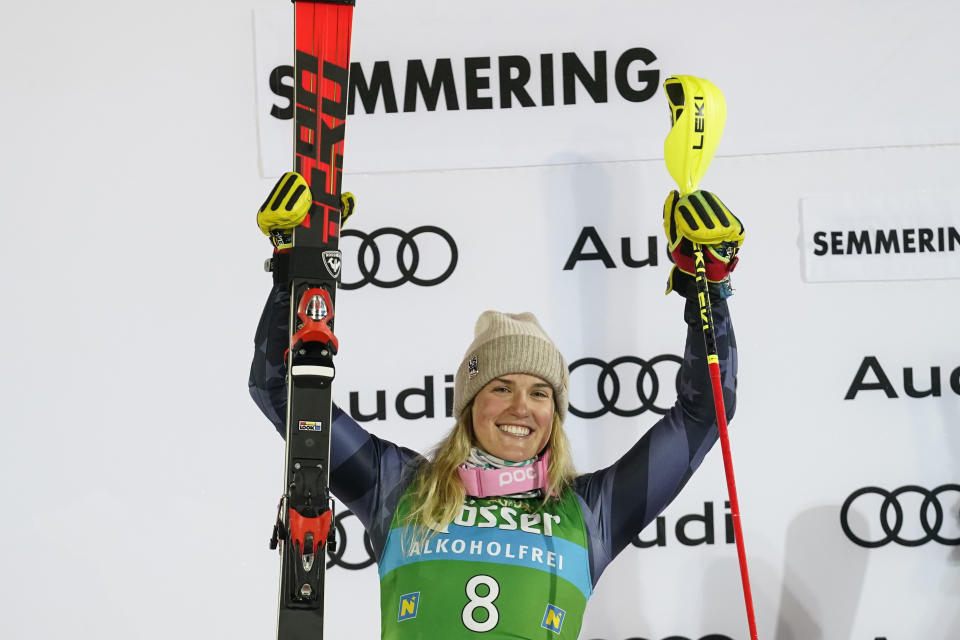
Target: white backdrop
x=139 y=482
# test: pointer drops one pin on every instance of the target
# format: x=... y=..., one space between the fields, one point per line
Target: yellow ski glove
x=703 y=219
x=285 y=208
x=288 y=205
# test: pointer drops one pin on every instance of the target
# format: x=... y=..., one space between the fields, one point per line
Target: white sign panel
x=445 y=86
x=875 y=236
x=274 y=45
x=522 y=100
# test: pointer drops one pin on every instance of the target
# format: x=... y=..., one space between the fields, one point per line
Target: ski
x=303 y=530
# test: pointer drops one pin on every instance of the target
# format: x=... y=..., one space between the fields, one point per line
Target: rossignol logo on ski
x=311 y=425
x=332 y=261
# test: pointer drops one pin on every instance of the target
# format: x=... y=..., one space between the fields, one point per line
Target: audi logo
x=336 y=555
x=891 y=515
x=646 y=386
x=408 y=257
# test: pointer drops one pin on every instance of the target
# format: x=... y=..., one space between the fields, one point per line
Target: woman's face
x=513 y=416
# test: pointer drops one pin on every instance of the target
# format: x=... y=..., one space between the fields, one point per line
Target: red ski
x=321 y=79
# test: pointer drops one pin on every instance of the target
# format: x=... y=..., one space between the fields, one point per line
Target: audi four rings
x=931 y=501
x=336 y=553
x=408 y=272
x=646 y=398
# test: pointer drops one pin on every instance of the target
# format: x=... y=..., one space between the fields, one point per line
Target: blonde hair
x=438 y=494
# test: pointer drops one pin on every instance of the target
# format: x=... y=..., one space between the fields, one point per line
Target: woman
x=495 y=532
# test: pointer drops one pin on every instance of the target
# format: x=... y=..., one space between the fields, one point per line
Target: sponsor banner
x=507 y=104
x=875 y=236
x=519 y=99
x=521 y=84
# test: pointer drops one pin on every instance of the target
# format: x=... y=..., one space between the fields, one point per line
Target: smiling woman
x=516 y=379
x=495 y=532
x=513 y=416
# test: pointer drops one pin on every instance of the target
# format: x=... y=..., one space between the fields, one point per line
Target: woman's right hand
x=285 y=208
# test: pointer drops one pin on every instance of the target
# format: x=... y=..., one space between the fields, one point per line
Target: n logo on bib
x=553 y=618
x=408 y=606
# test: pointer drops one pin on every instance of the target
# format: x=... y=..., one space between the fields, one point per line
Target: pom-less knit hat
x=506 y=343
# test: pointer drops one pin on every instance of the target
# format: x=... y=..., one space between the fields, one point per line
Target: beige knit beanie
x=506 y=343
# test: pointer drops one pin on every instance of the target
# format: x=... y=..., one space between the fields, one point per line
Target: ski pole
x=688 y=150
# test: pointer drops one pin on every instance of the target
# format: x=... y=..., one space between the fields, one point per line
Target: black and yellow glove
x=348 y=202
x=703 y=219
x=285 y=208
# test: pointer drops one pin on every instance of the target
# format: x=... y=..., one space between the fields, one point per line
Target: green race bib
x=506 y=568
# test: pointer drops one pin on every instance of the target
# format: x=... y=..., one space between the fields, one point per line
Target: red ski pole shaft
x=713 y=364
